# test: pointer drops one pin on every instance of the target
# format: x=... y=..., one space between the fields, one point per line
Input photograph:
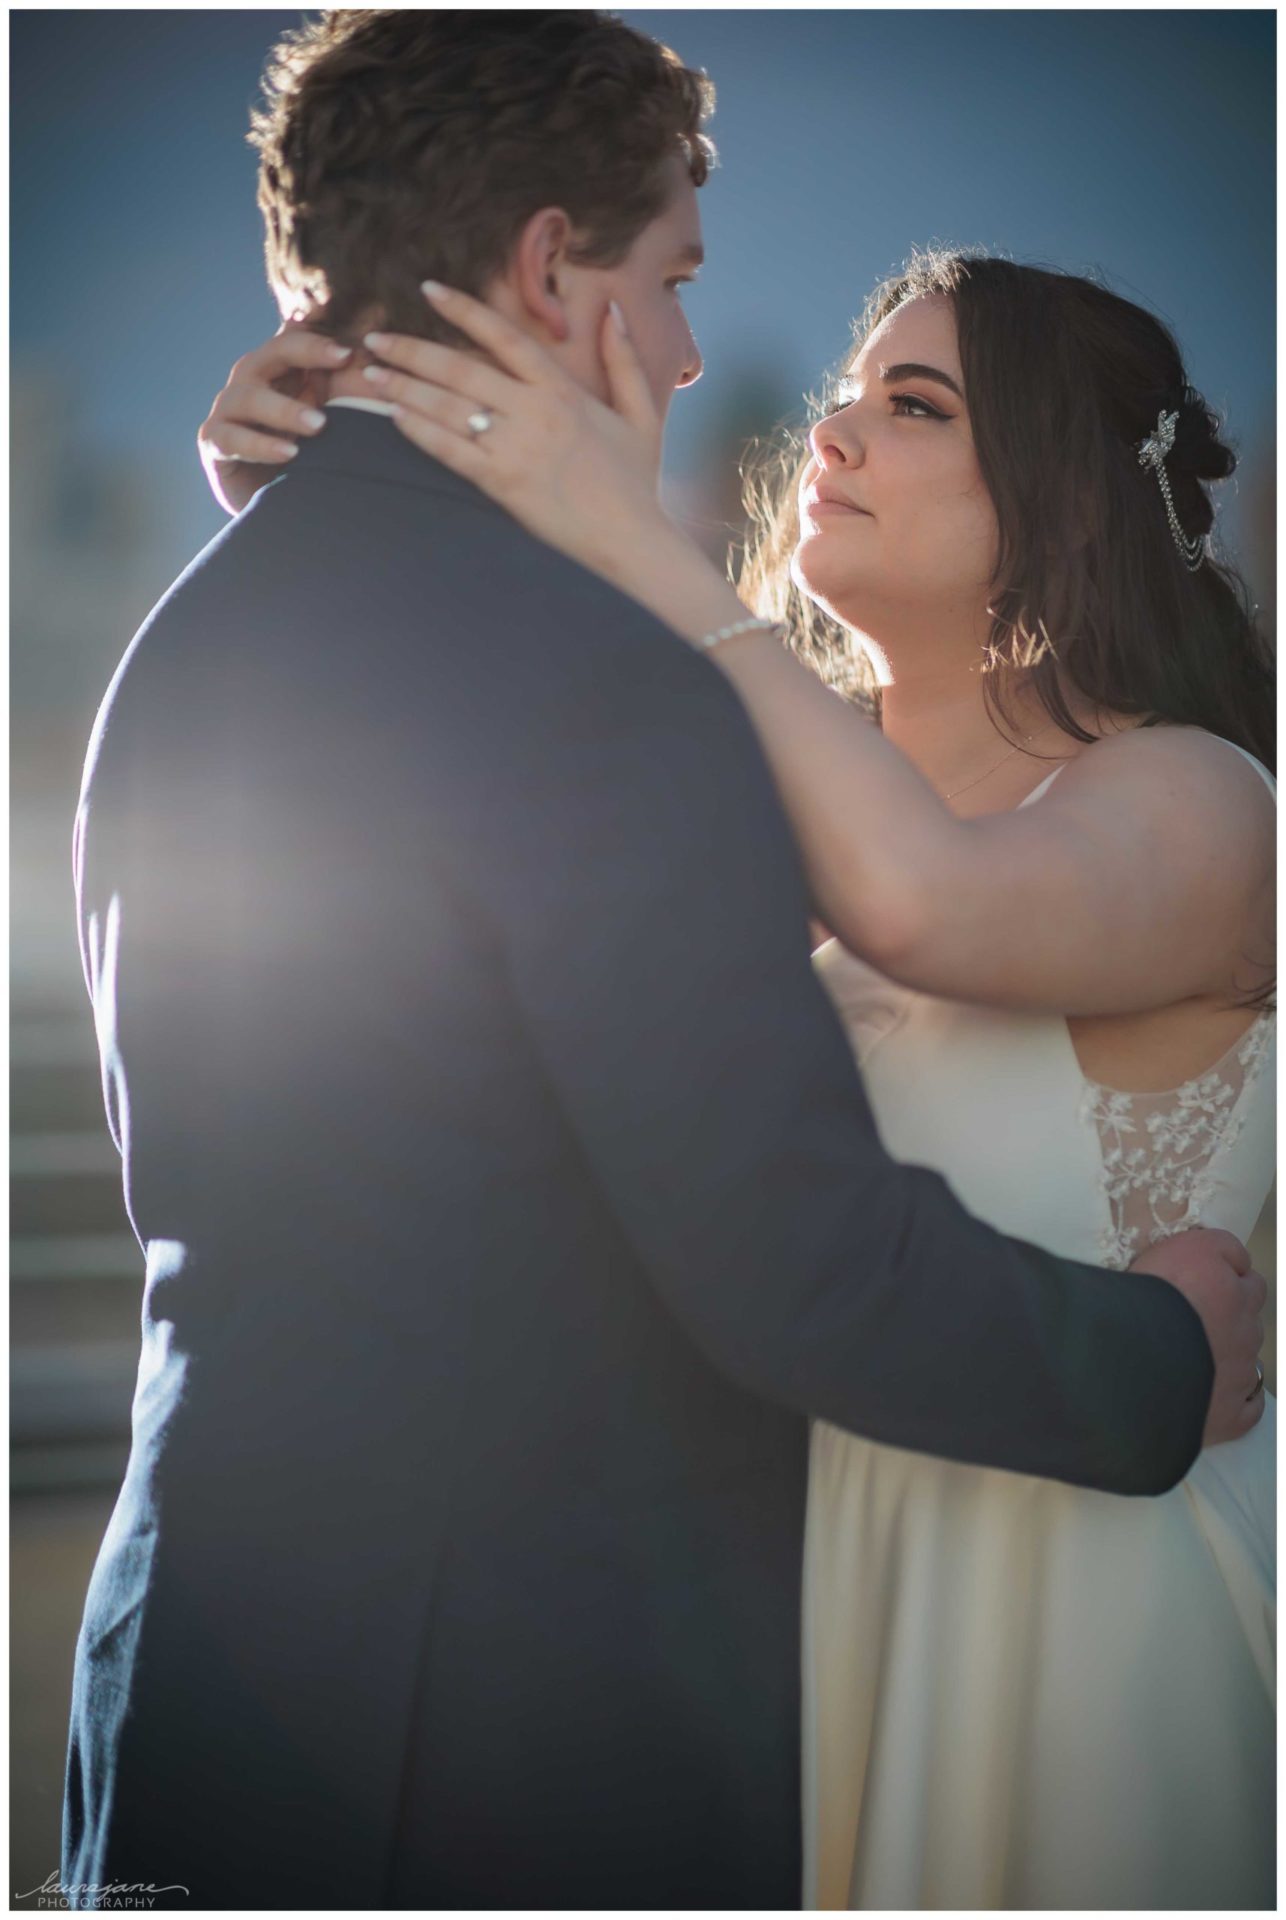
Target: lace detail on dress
x=1159 y=1148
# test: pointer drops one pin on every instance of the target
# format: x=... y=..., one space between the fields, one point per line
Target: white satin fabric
x=1016 y=1693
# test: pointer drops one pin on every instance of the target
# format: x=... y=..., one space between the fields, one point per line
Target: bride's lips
x=818 y=503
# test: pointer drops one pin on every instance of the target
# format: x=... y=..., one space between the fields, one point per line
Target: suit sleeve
x=635 y=863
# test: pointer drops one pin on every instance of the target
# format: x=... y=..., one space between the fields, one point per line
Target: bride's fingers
x=514 y=350
x=290 y=349
x=455 y=450
x=228 y=442
x=252 y=404
x=627 y=385
x=420 y=398
x=442 y=366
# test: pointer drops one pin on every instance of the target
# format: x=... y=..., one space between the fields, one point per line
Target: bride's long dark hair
x=1090 y=597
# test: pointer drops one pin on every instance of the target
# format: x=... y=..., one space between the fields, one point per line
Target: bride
x=1048 y=877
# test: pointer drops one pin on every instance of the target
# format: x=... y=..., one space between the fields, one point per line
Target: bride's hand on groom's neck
x=272 y=396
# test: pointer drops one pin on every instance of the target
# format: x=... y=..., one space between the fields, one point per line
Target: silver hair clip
x=1152 y=453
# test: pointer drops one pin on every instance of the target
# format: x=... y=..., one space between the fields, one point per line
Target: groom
x=508 y=1194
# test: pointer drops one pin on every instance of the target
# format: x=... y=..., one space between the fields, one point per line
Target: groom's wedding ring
x=478 y=423
x=1258 y=1387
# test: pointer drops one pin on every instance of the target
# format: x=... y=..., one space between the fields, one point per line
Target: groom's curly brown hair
x=398 y=146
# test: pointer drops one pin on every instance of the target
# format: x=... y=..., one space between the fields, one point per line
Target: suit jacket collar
x=363 y=446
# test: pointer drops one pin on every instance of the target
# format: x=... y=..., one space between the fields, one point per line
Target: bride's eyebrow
x=913 y=370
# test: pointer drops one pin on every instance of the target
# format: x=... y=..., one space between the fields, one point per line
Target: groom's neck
x=350 y=383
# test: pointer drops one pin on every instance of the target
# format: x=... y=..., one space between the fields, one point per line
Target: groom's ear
x=538 y=270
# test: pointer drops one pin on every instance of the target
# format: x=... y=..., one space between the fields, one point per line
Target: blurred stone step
x=64 y=1155
x=72 y=1393
x=50 y=1039
x=75 y=1311
x=53 y=1257
x=97 y=1464
x=67 y=1205
x=61 y=1098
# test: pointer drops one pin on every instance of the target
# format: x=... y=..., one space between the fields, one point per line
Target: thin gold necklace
x=1025 y=741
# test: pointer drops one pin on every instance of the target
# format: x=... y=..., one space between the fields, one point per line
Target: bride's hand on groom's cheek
x=579 y=474
x=271 y=395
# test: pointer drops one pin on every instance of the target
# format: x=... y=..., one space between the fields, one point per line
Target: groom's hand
x=1212 y=1271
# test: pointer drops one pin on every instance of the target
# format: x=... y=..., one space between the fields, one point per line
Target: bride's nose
x=836 y=443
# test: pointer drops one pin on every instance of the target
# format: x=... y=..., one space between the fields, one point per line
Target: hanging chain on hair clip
x=1152 y=453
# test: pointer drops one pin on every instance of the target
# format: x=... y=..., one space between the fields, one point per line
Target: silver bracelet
x=738 y=626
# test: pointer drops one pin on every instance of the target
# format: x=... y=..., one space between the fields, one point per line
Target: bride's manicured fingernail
x=337 y=352
x=314 y=418
x=434 y=290
x=375 y=341
x=378 y=374
x=614 y=309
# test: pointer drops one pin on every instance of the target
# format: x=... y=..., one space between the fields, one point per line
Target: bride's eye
x=913 y=400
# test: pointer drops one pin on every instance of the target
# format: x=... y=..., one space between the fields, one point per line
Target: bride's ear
x=538 y=270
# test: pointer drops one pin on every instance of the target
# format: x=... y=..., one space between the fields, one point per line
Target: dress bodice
x=997 y=1102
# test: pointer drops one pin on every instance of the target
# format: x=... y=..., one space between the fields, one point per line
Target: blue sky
x=1137 y=143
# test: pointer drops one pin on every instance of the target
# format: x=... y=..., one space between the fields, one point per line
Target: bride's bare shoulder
x=1189 y=804
x=1187 y=772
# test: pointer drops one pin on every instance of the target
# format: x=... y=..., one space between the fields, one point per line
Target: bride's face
x=914 y=532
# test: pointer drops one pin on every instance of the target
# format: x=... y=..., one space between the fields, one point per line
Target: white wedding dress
x=1018 y=1693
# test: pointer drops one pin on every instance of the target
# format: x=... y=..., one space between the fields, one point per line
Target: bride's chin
x=801 y=571
x=816 y=580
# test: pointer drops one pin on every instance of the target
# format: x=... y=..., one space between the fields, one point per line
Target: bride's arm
x=1132 y=885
